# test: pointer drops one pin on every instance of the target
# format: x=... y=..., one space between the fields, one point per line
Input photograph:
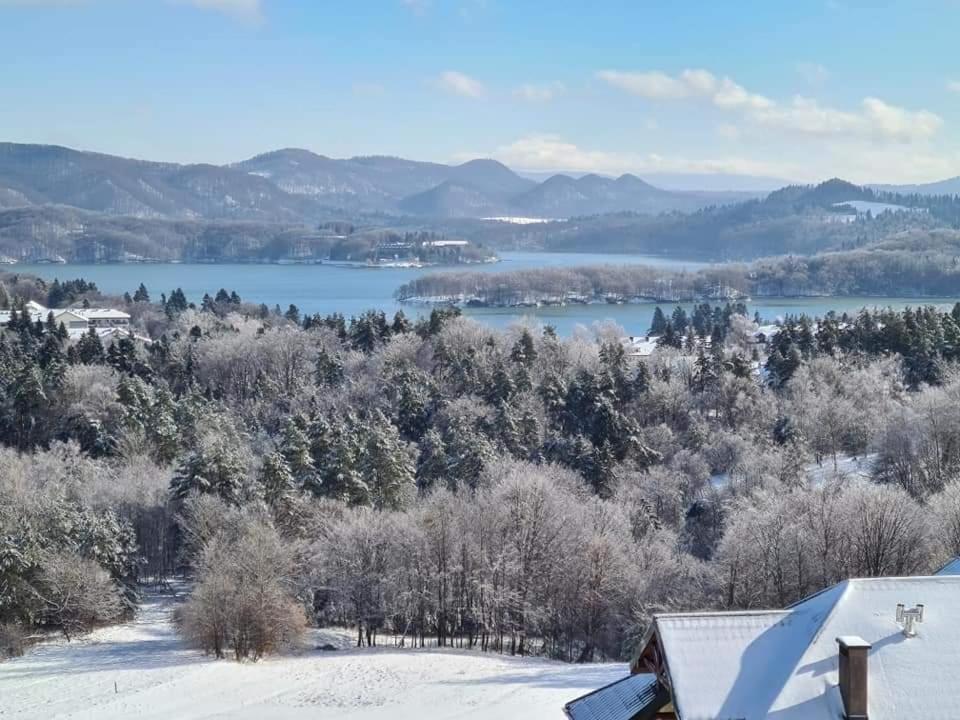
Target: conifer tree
x=658 y=325
x=278 y=482
x=387 y=466
x=432 y=463
x=295 y=449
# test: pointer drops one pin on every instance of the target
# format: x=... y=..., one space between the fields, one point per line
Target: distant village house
x=107 y=322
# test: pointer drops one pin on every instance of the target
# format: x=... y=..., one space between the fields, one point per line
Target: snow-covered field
x=141 y=670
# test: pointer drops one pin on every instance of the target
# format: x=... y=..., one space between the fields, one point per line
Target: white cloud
x=728 y=132
x=551 y=153
x=875 y=119
x=656 y=85
x=539 y=93
x=458 y=83
x=732 y=96
x=857 y=161
x=698 y=83
x=953 y=86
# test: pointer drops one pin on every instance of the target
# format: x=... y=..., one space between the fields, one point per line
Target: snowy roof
x=107 y=333
x=642 y=346
x=102 y=314
x=783 y=663
x=623 y=700
x=951 y=568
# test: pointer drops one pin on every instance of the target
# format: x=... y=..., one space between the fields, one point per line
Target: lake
x=328 y=288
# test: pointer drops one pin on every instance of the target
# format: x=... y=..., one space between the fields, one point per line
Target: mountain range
x=294 y=185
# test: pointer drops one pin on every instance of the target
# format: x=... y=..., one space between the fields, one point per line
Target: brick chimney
x=853 y=676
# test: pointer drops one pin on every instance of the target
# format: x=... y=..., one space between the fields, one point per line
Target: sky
x=805 y=91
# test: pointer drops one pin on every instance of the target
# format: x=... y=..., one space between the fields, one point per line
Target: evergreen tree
x=162 y=428
x=670 y=338
x=679 y=320
x=278 y=482
x=432 y=463
x=176 y=303
x=400 y=324
x=141 y=295
x=387 y=466
x=329 y=369
x=468 y=453
x=524 y=351
x=601 y=470
x=501 y=386
x=659 y=324
x=295 y=449
x=215 y=469
x=29 y=402
x=529 y=437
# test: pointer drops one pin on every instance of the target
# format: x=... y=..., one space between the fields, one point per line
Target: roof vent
x=909 y=618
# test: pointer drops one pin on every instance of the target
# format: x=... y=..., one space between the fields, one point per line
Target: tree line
x=927 y=266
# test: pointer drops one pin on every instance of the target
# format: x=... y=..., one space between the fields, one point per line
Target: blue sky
x=802 y=90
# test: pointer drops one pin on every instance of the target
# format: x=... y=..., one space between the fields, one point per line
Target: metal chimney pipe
x=854 y=651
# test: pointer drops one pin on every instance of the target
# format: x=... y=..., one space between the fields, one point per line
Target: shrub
x=242 y=599
x=77 y=594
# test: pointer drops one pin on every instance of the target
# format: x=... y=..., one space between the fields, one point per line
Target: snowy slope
x=156 y=677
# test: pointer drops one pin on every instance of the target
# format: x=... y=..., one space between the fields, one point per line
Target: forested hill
x=912 y=264
x=798 y=219
x=44 y=233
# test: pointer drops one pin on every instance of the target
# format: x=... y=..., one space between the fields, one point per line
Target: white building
x=77 y=321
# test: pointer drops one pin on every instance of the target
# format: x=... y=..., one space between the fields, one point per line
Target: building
x=883 y=648
x=77 y=321
x=105 y=317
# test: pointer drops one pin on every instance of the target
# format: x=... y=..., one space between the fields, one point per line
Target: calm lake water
x=328 y=288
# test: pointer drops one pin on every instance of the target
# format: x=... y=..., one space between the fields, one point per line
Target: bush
x=242 y=600
x=77 y=594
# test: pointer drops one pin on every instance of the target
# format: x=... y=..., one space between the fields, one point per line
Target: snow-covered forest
x=442 y=483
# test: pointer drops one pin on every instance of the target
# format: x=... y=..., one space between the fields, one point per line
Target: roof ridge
x=721 y=613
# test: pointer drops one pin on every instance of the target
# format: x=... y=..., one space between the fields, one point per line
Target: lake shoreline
x=327 y=289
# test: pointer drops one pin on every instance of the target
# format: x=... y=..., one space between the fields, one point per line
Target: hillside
x=44 y=175
x=38 y=234
x=795 y=219
x=296 y=185
x=142 y=670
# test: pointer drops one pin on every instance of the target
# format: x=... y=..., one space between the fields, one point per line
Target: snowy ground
x=141 y=670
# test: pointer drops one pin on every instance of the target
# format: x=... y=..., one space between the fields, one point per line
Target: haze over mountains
x=293 y=185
